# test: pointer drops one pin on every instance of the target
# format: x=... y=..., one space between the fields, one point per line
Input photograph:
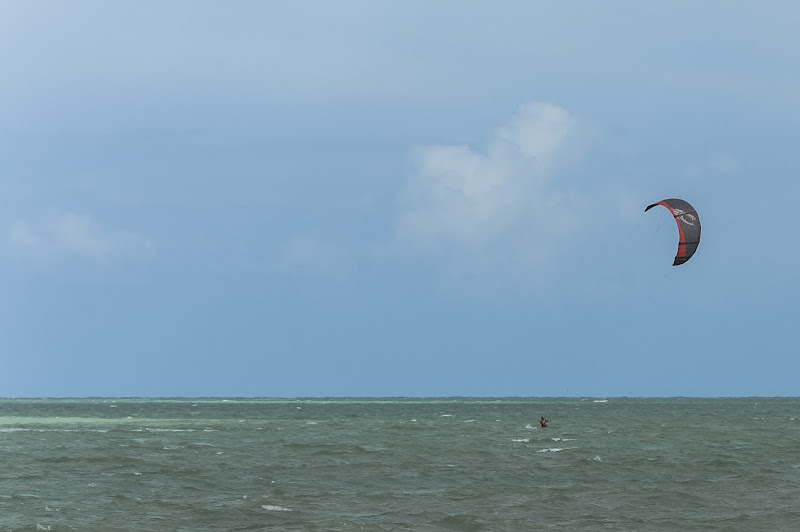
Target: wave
x=273 y=508
x=555 y=449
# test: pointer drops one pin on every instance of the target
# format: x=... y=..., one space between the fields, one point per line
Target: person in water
x=543 y=422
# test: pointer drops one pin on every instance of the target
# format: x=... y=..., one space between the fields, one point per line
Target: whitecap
x=600 y=401
x=597 y=459
x=413 y=420
x=550 y=450
x=469 y=421
x=446 y=415
x=521 y=440
x=272 y=508
x=311 y=422
x=528 y=426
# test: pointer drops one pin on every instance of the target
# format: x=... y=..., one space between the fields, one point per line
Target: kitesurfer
x=543 y=422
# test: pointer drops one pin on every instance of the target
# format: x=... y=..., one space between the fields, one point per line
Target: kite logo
x=685 y=217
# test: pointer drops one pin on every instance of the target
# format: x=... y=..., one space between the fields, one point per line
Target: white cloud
x=538 y=130
x=472 y=204
x=73 y=234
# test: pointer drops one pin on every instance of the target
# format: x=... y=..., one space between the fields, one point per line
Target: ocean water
x=400 y=464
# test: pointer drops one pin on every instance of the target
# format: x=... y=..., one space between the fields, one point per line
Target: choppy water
x=400 y=464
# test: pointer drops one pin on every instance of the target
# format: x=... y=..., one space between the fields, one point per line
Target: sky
x=362 y=198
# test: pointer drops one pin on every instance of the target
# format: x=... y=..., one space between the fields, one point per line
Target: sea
x=390 y=464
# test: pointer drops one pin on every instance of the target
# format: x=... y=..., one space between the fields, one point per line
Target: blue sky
x=397 y=199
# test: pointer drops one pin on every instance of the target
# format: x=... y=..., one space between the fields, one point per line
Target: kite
x=688 y=227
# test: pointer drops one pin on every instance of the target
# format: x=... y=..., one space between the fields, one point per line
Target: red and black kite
x=688 y=227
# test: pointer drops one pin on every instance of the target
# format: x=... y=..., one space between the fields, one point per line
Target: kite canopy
x=688 y=227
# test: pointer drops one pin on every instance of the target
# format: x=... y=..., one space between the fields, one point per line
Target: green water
x=400 y=464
